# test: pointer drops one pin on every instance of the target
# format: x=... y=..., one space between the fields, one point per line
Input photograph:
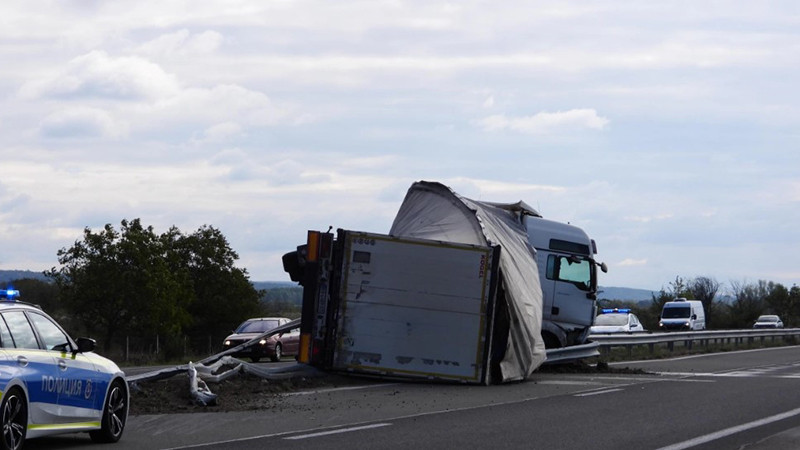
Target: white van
x=682 y=314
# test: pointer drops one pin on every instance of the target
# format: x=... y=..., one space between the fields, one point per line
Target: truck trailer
x=564 y=253
x=455 y=291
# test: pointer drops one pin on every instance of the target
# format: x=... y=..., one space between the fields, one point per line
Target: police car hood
x=607 y=329
x=102 y=362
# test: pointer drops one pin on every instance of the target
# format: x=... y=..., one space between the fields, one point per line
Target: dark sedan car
x=273 y=347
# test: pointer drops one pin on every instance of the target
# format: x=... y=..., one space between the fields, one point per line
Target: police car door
x=33 y=365
x=76 y=378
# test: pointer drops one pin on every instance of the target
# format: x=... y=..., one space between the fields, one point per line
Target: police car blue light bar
x=615 y=310
x=9 y=294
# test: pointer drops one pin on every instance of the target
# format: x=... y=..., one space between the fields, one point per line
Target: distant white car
x=616 y=320
x=768 y=321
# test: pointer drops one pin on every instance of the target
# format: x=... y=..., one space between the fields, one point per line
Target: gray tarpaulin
x=433 y=211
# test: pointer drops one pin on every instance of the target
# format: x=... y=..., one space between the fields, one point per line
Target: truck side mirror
x=294 y=265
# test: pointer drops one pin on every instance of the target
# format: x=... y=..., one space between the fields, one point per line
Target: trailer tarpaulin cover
x=433 y=211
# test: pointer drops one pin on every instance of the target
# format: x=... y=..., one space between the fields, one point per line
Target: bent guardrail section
x=572 y=353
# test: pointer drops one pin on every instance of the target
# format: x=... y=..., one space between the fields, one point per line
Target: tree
x=749 y=302
x=705 y=289
x=39 y=293
x=223 y=294
x=117 y=283
x=675 y=289
x=792 y=318
x=135 y=282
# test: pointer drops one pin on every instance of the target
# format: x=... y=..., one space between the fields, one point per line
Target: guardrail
x=572 y=353
x=689 y=338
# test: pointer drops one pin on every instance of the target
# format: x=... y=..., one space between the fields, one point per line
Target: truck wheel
x=14 y=419
x=115 y=413
x=277 y=356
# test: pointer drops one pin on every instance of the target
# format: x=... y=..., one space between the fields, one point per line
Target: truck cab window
x=561 y=268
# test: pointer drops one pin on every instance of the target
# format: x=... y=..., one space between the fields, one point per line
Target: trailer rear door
x=415 y=308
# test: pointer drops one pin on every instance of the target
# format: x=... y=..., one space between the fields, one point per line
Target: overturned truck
x=451 y=293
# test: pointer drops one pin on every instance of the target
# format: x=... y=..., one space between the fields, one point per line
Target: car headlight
x=262 y=342
x=227 y=343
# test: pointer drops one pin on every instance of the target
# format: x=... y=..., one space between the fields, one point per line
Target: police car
x=50 y=384
x=616 y=320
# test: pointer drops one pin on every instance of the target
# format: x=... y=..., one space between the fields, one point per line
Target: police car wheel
x=115 y=413
x=14 y=419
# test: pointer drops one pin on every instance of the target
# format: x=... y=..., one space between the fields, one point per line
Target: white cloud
x=220 y=132
x=628 y=262
x=545 y=122
x=96 y=75
x=182 y=43
x=647 y=219
x=105 y=96
x=82 y=122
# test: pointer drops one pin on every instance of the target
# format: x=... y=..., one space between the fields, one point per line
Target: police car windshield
x=257 y=326
x=611 y=319
x=680 y=312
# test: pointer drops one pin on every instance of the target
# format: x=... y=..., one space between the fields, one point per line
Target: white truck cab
x=683 y=314
x=568 y=276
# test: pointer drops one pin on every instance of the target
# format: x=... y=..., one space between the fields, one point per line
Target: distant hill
x=606 y=293
x=274 y=284
x=11 y=275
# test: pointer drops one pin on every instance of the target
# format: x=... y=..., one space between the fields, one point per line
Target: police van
x=51 y=384
x=682 y=314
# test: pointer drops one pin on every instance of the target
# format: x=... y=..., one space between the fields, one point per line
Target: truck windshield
x=579 y=273
x=680 y=312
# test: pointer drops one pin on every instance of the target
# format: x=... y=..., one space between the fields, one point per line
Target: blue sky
x=667 y=130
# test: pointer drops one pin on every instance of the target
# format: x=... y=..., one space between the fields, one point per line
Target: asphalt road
x=730 y=400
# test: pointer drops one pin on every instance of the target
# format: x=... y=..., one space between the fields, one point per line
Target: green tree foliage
x=223 y=296
x=39 y=293
x=777 y=300
x=792 y=314
x=135 y=282
x=675 y=289
x=749 y=302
